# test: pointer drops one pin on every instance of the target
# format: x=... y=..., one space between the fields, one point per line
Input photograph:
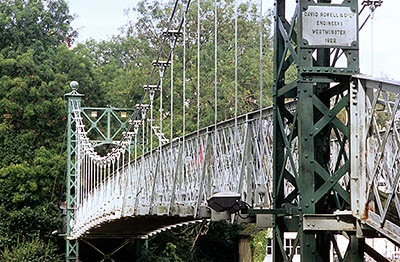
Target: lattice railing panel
x=376 y=157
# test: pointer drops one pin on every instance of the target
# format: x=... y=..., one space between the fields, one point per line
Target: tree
x=28 y=251
x=35 y=68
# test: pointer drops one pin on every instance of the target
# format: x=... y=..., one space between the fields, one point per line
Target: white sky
x=101 y=19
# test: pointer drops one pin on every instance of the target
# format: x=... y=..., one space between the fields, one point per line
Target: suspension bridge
x=322 y=161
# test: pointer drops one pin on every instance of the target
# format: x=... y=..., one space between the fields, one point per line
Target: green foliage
x=34 y=36
x=259 y=243
x=219 y=244
x=35 y=250
x=206 y=242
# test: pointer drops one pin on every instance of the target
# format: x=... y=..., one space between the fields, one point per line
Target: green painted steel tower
x=319 y=44
x=72 y=250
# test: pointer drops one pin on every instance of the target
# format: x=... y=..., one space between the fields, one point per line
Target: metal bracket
x=329 y=222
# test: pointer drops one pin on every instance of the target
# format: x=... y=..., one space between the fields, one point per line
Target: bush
x=35 y=250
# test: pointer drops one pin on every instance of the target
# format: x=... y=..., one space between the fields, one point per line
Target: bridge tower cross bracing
x=316 y=188
x=72 y=247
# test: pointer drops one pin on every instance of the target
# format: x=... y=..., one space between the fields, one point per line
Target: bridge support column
x=72 y=246
x=311 y=43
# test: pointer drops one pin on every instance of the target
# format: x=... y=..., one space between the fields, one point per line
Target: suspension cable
x=151 y=127
x=236 y=83
x=236 y=64
x=172 y=98
x=198 y=84
x=184 y=81
x=261 y=63
x=160 y=136
x=215 y=77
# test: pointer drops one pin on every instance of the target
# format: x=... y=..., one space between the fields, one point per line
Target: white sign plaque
x=329 y=25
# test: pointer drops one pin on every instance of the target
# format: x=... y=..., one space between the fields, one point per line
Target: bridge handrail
x=375 y=153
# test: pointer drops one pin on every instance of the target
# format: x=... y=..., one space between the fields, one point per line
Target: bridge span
x=323 y=161
x=124 y=196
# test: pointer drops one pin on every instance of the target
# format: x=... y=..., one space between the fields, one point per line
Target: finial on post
x=74 y=85
x=74 y=93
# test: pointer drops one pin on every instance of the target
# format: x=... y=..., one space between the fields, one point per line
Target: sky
x=101 y=19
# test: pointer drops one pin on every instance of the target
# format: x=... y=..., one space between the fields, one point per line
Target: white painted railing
x=375 y=158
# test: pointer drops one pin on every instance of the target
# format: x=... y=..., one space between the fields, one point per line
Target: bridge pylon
x=72 y=247
x=320 y=44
